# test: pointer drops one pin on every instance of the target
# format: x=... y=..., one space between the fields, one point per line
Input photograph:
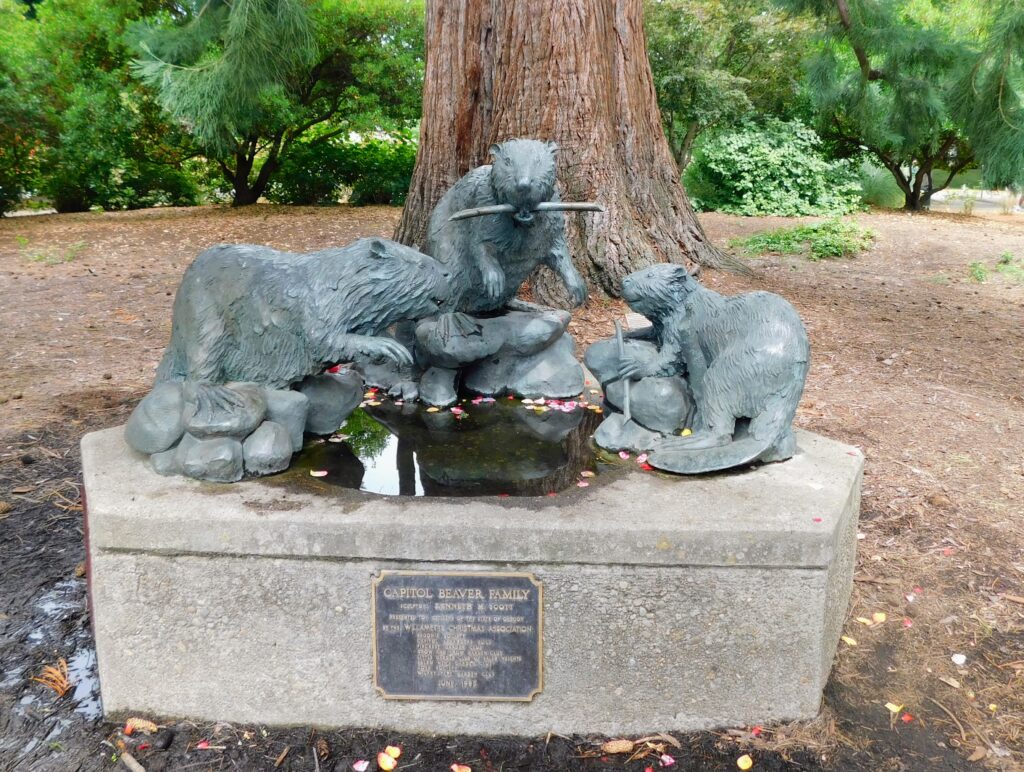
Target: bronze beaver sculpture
x=745 y=360
x=251 y=313
x=491 y=256
x=249 y=323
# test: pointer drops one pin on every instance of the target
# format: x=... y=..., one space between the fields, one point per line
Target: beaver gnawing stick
x=544 y=206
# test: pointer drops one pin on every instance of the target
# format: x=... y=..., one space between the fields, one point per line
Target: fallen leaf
x=1013 y=598
x=849 y=641
x=906 y=718
x=433 y=409
x=361 y=766
x=647 y=467
x=865 y=621
x=907 y=622
x=756 y=731
x=5 y=507
x=686 y=432
x=202 y=745
x=386 y=762
x=317 y=472
x=892 y=707
x=140 y=725
x=993 y=707
x=979 y=753
x=878 y=617
x=586 y=473
x=323 y=748
x=460 y=768
x=623 y=455
x=618 y=746
x=642 y=458
x=22 y=489
x=666 y=760
x=393 y=751
x=950 y=681
x=959 y=660
x=744 y=762
x=582 y=484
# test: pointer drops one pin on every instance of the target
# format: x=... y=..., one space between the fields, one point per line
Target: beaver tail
x=767 y=437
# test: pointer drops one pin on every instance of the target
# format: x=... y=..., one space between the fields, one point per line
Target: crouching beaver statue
x=250 y=323
x=730 y=369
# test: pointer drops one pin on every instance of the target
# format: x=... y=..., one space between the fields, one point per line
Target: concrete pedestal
x=669 y=603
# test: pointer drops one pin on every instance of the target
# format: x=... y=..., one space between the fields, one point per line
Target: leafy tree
x=989 y=97
x=254 y=81
x=913 y=83
x=21 y=110
x=771 y=167
x=97 y=136
x=716 y=61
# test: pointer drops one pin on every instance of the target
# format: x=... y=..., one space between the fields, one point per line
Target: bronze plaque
x=457 y=636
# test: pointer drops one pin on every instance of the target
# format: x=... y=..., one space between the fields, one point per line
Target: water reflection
x=489 y=449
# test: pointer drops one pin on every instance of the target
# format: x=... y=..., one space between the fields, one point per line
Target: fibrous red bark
x=576 y=72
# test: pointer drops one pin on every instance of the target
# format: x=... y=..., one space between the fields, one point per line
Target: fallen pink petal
x=361 y=766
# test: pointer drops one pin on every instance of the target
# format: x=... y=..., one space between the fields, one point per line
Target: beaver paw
x=577 y=291
x=493 y=281
x=385 y=351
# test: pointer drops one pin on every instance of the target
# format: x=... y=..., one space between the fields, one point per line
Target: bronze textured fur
x=491 y=256
x=745 y=357
x=251 y=313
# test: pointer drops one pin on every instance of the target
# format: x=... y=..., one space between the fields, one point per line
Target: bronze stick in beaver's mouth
x=544 y=206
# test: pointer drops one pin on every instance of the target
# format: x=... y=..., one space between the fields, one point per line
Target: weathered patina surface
x=743 y=360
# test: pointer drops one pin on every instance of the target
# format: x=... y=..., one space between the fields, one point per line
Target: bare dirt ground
x=912 y=361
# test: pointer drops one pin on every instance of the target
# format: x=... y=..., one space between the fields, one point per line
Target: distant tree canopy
x=87 y=134
x=252 y=80
x=131 y=103
x=922 y=86
x=716 y=62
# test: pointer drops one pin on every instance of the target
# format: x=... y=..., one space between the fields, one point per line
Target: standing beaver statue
x=250 y=322
x=491 y=231
x=744 y=360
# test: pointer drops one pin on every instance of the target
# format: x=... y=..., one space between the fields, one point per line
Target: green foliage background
x=774 y=167
x=128 y=103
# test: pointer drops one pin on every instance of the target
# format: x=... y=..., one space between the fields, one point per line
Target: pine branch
x=845 y=19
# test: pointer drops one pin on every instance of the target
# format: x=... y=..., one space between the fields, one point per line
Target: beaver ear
x=495 y=150
x=552 y=146
x=378 y=250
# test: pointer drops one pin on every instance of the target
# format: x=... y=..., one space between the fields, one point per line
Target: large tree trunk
x=574 y=71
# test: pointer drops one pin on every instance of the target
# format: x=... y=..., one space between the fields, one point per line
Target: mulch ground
x=912 y=361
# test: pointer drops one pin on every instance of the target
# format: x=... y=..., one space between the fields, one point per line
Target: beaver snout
x=524 y=216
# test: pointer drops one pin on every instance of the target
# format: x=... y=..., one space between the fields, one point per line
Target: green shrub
x=96 y=161
x=831 y=238
x=377 y=170
x=310 y=174
x=777 y=168
x=380 y=170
